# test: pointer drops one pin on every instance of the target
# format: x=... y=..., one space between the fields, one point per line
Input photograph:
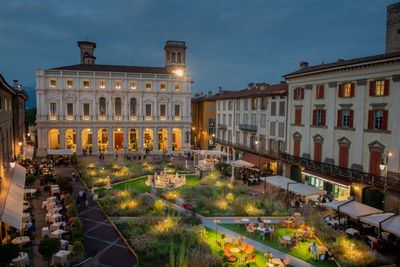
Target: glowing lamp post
x=384 y=169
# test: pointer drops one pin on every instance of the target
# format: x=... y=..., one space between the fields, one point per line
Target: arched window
x=173 y=57
x=133 y=106
x=117 y=108
x=178 y=57
x=102 y=106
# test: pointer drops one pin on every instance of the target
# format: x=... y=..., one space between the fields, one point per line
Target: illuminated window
x=117 y=84
x=148 y=85
x=177 y=87
x=378 y=119
x=102 y=84
x=86 y=84
x=163 y=86
x=347 y=90
x=379 y=88
x=133 y=85
x=52 y=83
x=86 y=109
x=70 y=83
x=163 y=110
x=148 y=110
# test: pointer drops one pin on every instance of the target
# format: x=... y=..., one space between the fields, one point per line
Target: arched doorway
x=54 y=139
x=70 y=139
x=118 y=139
x=133 y=140
x=177 y=139
x=87 y=139
x=148 y=139
x=102 y=137
x=162 y=140
x=295 y=173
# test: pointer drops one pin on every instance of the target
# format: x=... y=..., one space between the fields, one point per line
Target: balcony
x=222 y=127
x=248 y=127
x=133 y=118
x=177 y=118
x=393 y=181
x=102 y=117
x=52 y=117
x=69 y=117
x=117 y=118
x=148 y=118
x=85 y=117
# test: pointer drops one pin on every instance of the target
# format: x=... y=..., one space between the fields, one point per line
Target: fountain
x=166 y=180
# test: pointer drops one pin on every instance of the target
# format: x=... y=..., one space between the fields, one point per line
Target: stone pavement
x=104 y=246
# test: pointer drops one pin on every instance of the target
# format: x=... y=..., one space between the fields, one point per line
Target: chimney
x=393 y=28
x=87 y=52
x=303 y=64
x=209 y=93
x=250 y=85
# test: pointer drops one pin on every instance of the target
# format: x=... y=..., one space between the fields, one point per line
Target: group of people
x=84 y=198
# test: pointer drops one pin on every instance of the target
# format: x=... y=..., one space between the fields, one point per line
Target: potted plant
x=48 y=247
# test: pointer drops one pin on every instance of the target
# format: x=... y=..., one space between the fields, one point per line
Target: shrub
x=72 y=211
x=48 y=178
x=8 y=252
x=30 y=179
x=77 y=252
x=48 y=247
x=191 y=220
x=76 y=227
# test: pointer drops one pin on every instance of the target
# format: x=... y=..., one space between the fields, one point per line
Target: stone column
x=62 y=138
x=155 y=140
x=110 y=140
x=125 y=145
x=140 y=140
x=95 y=143
x=169 y=140
x=79 y=141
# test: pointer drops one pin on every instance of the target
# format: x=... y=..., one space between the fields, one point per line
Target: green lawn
x=260 y=258
x=301 y=252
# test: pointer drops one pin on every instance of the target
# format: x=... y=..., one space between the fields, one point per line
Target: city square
x=142 y=165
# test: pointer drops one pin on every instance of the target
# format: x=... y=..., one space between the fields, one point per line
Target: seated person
x=293 y=241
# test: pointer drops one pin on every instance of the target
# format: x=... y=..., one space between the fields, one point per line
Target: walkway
x=257 y=245
x=103 y=244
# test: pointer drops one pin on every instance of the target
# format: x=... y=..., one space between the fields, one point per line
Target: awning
x=57 y=152
x=375 y=219
x=293 y=186
x=352 y=208
x=241 y=163
x=210 y=153
x=28 y=152
x=327 y=178
x=392 y=225
x=14 y=198
x=278 y=181
x=255 y=159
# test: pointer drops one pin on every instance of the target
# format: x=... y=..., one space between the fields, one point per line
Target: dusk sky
x=230 y=43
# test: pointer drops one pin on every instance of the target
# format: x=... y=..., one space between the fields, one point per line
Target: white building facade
x=108 y=108
x=251 y=123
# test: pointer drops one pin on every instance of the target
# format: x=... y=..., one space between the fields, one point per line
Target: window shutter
x=387 y=84
x=370 y=119
x=314 y=117
x=372 y=88
x=323 y=117
x=294 y=93
x=352 y=90
x=351 y=119
x=302 y=93
x=340 y=91
x=339 y=118
x=385 y=119
x=321 y=92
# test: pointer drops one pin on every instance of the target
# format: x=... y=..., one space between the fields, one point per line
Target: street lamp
x=384 y=167
x=13 y=161
x=216 y=222
x=259 y=166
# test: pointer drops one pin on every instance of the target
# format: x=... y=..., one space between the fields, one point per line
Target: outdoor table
x=64 y=243
x=51 y=205
x=22 y=260
x=53 y=217
x=45 y=231
x=30 y=191
x=286 y=238
x=61 y=258
x=26 y=217
x=55 y=190
x=51 y=199
x=266 y=221
x=234 y=250
x=57 y=233
x=352 y=231
x=20 y=240
x=228 y=240
x=55 y=226
x=44 y=204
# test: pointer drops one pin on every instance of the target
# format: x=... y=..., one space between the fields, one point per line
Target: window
x=379 y=88
x=378 y=119
x=319 y=117
x=133 y=107
x=281 y=129
x=86 y=109
x=273 y=108
x=148 y=110
x=230 y=120
x=263 y=120
x=319 y=94
x=229 y=105
x=117 y=108
x=224 y=119
x=52 y=83
x=237 y=118
x=163 y=86
x=118 y=84
x=244 y=138
x=224 y=105
x=282 y=108
x=298 y=93
x=264 y=103
x=133 y=85
x=163 y=110
x=70 y=109
x=244 y=118
x=254 y=103
x=211 y=122
x=219 y=105
x=346 y=90
x=148 y=85
x=53 y=109
x=272 y=128
x=178 y=57
x=102 y=84
x=177 y=110
x=237 y=104
x=212 y=107
x=253 y=119
x=86 y=84
x=102 y=106
x=177 y=86
x=245 y=104
x=70 y=83
x=297 y=116
x=211 y=130
x=173 y=56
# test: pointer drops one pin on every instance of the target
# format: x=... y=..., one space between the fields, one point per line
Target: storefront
x=340 y=190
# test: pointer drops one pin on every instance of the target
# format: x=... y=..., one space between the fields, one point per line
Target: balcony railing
x=248 y=127
x=222 y=126
x=262 y=152
x=393 y=182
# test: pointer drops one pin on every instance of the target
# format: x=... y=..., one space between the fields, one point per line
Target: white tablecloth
x=20 y=240
x=55 y=226
x=352 y=231
x=22 y=260
x=57 y=233
x=61 y=258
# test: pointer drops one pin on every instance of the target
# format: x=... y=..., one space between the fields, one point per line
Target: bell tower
x=393 y=28
x=87 y=52
x=175 y=56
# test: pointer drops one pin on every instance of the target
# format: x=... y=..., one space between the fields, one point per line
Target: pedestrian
x=84 y=198
x=313 y=248
x=80 y=196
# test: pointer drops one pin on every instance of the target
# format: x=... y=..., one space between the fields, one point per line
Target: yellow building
x=203 y=121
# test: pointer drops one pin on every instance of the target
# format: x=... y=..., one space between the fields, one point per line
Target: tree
x=48 y=247
x=8 y=252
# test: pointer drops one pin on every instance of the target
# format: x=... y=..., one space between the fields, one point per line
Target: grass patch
x=301 y=252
